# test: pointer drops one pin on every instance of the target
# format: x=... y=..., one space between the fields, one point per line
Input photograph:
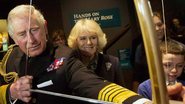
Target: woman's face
x=87 y=43
x=159 y=27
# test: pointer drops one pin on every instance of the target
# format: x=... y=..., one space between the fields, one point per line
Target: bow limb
x=159 y=91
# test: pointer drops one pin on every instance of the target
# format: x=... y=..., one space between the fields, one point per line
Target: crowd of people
x=80 y=69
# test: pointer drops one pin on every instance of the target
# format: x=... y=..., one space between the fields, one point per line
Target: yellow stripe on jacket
x=115 y=93
x=3 y=89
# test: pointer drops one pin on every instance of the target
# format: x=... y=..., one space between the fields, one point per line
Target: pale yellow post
x=159 y=92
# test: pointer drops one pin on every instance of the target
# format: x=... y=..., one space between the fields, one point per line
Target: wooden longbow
x=157 y=76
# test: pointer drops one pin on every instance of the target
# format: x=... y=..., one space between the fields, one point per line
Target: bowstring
x=166 y=43
x=165 y=37
x=29 y=25
x=164 y=22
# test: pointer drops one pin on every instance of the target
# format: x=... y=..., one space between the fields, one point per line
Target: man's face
x=176 y=22
x=87 y=43
x=173 y=65
x=31 y=40
x=159 y=27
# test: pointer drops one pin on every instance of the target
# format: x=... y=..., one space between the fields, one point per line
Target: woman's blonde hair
x=87 y=25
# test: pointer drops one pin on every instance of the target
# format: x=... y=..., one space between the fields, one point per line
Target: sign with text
x=125 y=58
x=105 y=17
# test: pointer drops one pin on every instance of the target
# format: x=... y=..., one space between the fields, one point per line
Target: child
x=173 y=60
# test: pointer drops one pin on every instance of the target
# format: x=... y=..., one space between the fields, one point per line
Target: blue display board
x=125 y=58
x=105 y=17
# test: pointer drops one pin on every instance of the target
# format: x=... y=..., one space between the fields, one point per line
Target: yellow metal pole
x=157 y=77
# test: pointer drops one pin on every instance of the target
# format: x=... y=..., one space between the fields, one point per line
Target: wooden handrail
x=116 y=38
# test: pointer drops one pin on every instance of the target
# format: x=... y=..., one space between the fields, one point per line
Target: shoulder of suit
x=12 y=46
x=7 y=55
x=110 y=57
x=65 y=47
x=62 y=51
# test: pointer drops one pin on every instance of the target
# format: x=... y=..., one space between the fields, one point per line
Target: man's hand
x=21 y=89
x=176 y=92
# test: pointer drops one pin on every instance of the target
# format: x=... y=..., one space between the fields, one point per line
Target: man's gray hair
x=20 y=11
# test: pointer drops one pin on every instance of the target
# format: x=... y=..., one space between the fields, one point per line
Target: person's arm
x=145 y=90
x=117 y=94
x=3 y=94
x=119 y=73
x=87 y=84
x=6 y=78
x=20 y=89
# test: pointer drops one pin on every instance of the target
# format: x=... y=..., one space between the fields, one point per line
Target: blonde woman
x=88 y=39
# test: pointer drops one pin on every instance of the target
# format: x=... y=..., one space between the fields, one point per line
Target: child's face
x=173 y=65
